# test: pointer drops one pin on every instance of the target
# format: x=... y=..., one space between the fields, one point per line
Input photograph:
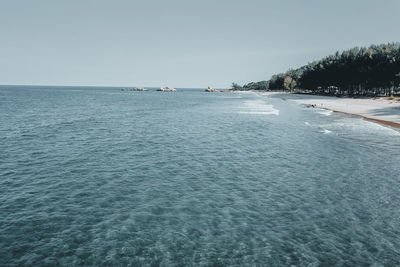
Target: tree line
x=365 y=71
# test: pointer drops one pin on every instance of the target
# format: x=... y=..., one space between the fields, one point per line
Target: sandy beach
x=263 y=93
x=381 y=110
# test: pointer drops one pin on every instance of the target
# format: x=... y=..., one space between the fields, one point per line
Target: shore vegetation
x=360 y=71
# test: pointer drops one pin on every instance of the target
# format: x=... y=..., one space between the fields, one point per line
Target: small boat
x=166 y=89
x=210 y=89
x=139 y=89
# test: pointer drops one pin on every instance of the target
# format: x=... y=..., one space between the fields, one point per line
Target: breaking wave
x=258 y=107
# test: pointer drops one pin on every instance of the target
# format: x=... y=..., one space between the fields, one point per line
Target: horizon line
x=53 y=85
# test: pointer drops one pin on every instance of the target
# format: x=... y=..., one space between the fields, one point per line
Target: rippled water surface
x=104 y=177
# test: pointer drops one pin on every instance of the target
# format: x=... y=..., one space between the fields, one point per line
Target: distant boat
x=210 y=89
x=166 y=89
x=139 y=89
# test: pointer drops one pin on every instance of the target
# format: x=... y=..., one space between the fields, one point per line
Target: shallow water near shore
x=99 y=176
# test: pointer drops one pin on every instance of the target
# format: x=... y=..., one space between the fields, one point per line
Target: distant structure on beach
x=166 y=89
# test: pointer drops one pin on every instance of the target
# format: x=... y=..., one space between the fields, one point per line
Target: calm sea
x=104 y=177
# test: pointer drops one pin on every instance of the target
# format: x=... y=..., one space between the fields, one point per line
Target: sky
x=180 y=43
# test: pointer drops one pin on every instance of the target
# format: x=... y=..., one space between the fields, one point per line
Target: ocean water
x=104 y=177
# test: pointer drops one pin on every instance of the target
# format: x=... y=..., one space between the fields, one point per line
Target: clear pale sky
x=180 y=43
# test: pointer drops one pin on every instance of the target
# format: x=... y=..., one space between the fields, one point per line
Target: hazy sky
x=180 y=43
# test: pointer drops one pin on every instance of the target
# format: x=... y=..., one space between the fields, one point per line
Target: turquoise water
x=102 y=177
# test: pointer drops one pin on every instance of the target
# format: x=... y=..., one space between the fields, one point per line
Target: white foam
x=360 y=126
x=325 y=112
x=245 y=92
x=258 y=107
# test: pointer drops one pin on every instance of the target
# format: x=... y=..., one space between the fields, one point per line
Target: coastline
x=383 y=110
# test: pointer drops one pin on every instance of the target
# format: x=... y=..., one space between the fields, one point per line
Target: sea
x=97 y=176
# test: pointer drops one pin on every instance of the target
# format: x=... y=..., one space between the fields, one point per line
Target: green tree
x=289 y=83
x=236 y=86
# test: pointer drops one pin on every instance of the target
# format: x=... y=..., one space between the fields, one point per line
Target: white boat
x=166 y=89
x=210 y=89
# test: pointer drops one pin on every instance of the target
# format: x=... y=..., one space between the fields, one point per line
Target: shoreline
x=383 y=111
x=379 y=121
